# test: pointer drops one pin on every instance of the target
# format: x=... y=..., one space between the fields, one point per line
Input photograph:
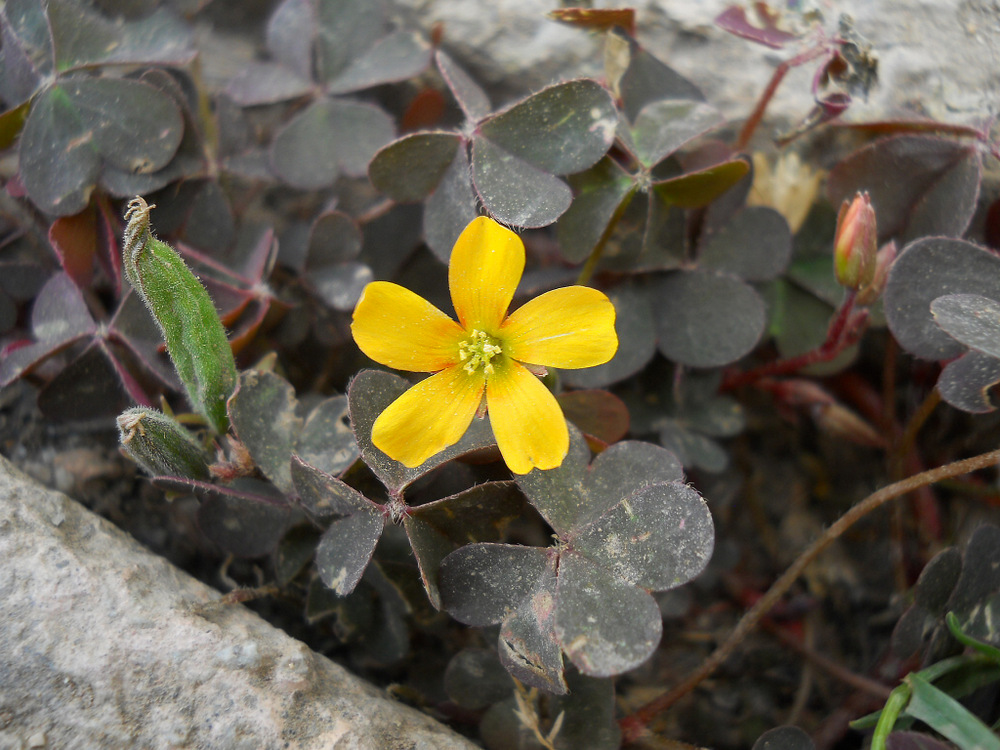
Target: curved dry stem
x=634 y=726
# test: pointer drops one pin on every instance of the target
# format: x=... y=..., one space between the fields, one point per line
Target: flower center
x=477 y=351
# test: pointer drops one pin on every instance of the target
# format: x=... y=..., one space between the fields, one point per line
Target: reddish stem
x=750 y=126
x=844 y=330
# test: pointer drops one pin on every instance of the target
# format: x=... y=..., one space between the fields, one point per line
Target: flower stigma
x=477 y=351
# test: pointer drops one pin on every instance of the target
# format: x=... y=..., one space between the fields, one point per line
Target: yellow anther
x=477 y=351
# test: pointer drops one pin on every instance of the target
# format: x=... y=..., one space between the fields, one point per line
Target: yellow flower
x=483 y=355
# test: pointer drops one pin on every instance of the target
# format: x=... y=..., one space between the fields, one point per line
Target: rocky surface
x=941 y=59
x=103 y=644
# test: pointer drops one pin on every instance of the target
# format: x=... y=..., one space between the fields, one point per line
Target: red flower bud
x=856 y=244
x=883 y=262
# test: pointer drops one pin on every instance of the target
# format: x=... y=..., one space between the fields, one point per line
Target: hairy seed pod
x=161 y=445
x=196 y=340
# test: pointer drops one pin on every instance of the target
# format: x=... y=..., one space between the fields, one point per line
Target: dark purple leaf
x=734 y=20
x=82 y=38
x=481 y=584
x=972 y=319
x=605 y=625
x=707 y=319
x=596 y=413
x=243 y=526
x=927 y=269
x=326 y=440
x=325 y=496
x=266 y=83
x=662 y=127
x=450 y=207
x=784 y=738
x=262 y=411
x=345 y=31
x=369 y=394
x=966 y=382
x=599 y=193
x=514 y=191
x=409 y=169
x=291 y=31
x=87 y=388
x=470 y=97
x=346 y=548
x=933 y=190
x=74 y=238
x=562 y=129
x=756 y=245
x=397 y=57
x=639 y=78
x=475 y=679
x=478 y=514
x=328 y=138
x=526 y=647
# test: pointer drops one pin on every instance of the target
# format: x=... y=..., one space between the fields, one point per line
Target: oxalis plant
x=593 y=302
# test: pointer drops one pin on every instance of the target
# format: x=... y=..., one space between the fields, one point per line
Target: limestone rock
x=105 y=645
x=941 y=59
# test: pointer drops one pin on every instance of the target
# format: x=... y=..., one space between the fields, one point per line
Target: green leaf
x=562 y=129
x=195 y=338
x=514 y=191
x=948 y=717
x=662 y=127
x=701 y=187
x=409 y=169
x=161 y=445
x=328 y=138
x=707 y=319
x=262 y=411
x=927 y=269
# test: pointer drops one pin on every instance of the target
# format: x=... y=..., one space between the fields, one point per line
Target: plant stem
x=634 y=725
x=750 y=126
x=595 y=255
x=844 y=330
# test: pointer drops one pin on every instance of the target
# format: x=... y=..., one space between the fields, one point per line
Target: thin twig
x=634 y=726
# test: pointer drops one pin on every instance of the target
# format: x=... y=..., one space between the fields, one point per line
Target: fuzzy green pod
x=161 y=445
x=196 y=340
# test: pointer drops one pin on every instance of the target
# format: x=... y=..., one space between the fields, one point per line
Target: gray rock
x=105 y=645
x=941 y=59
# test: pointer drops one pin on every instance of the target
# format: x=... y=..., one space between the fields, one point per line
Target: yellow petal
x=527 y=422
x=485 y=267
x=429 y=417
x=398 y=328
x=570 y=327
